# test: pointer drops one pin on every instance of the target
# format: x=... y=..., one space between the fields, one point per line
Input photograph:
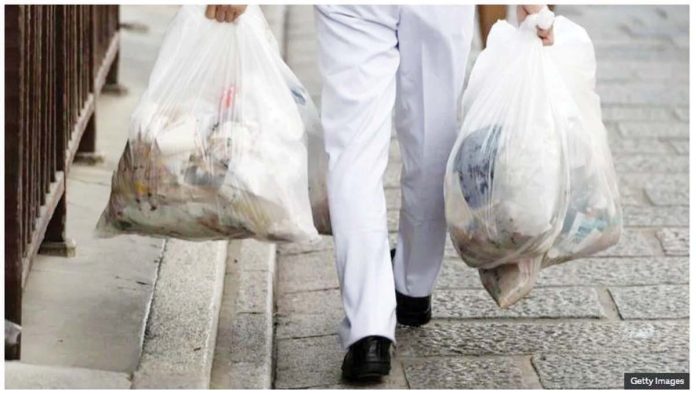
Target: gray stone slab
x=560 y=371
x=243 y=356
x=681 y=146
x=182 y=326
x=617 y=271
x=455 y=274
x=395 y=380
x=540 y=303
x=622 y=145
x=393 y=197
x=306 y=272
x=392 y=177
x=682 y=113
x=19 y=375
x=633 y=242
x=642 y=163
x=464 y=373
x=588 y=272
x=325 y=243
x=675 y=241
x=315 y=362
x=667 y=197
x=90 y=310
x=635 y=129
x=311 y=302
x=652 y=302
x=665 y=181
x=664 y=93
x=656 y=216
x=451 y=338
x=307 y=325
x=245 y=341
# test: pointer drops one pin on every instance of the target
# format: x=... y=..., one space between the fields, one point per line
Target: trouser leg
x=358 y=60
x=434 y=44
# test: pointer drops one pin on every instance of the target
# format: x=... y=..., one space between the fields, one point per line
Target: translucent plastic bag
x=530 y=181
x=318 y=161
x=216 y=148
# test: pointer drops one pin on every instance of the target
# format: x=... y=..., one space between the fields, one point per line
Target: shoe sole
x=369 y=371
x=414 y=319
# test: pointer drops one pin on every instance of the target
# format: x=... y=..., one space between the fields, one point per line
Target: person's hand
x=224 y=13
x=546 y=36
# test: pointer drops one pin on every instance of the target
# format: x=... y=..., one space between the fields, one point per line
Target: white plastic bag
x=318 y=160
x=530 y=180
x=216 y=148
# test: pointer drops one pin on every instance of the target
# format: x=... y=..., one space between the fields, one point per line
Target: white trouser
x=366 y=55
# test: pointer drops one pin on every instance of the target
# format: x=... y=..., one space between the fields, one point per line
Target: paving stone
x=631 y=71
x=308 y=362
x=632 y=196
x=253 y=295
x=393 y=197
x=604 y=370
x=597 y=272
x=652 y=302
x=675 y=241
x=325 y=243
x=450 y=338
x=635 y=129
x=682 y=113
x=648 y=113
x=20 y=375
x=621 y=145
x=651 y=164
x=681 y=146
x=633 y=242
x=540 y=303
x=307 y=272
x=656 y=216
x=664 y=181
x=307 y=325
x=392 y=177
x=395 y=380
x=464 y=373
x=667 y=197
x=311 y=302
x=644 y=94
x=455 y=274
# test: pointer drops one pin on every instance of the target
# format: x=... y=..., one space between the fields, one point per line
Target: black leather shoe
x=412 y=311
x=367 y=359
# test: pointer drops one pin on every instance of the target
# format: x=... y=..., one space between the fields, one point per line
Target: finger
x=210 y=12
x=549 y=39
x=220 y=14
x=543 y=33
x=230 y=14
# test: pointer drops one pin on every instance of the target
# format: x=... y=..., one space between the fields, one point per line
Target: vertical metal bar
x=13 y=162
x=88 y=143
x=113 y=17
x=55 y=231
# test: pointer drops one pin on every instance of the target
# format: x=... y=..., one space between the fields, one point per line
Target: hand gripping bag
x=216 y=147
x=530 y=181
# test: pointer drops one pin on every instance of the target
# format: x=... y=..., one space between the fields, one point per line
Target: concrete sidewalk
x=588 y=321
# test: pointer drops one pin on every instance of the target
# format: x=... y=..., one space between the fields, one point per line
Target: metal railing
x=57 y=59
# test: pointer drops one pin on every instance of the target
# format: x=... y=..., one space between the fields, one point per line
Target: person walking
x=375 y=60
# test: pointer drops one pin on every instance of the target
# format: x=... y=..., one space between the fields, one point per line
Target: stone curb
x=244 y=347
x=19 y=375
x=182 y=325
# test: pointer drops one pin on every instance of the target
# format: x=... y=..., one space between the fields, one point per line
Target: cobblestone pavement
x=587 y=322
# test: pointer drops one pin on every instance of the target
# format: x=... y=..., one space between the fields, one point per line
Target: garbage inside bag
x=216 y=146
x=530 y=181
x=509 y=283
